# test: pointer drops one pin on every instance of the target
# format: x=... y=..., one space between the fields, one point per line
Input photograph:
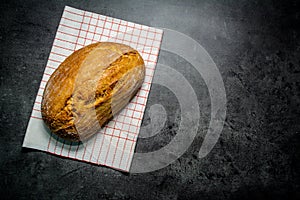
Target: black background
x=256 y=46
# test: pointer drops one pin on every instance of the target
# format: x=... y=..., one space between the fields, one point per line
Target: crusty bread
x=89 y=87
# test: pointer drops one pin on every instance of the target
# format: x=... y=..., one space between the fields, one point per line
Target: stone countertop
x=256 y=47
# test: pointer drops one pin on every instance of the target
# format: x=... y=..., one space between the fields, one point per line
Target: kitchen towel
x=114 y=144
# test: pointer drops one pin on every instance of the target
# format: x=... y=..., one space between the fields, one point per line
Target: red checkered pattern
x=114 y=145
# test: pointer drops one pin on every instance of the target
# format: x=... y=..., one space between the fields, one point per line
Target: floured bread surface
x=89 y=87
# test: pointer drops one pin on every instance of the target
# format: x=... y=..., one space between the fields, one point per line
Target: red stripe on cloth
x=84 y=45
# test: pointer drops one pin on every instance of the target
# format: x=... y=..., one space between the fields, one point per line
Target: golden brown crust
x=89 y=87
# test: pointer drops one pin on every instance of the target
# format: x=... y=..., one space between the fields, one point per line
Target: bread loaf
x=89 y=87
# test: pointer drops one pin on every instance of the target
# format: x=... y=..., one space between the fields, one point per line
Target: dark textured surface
x=256 y=46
